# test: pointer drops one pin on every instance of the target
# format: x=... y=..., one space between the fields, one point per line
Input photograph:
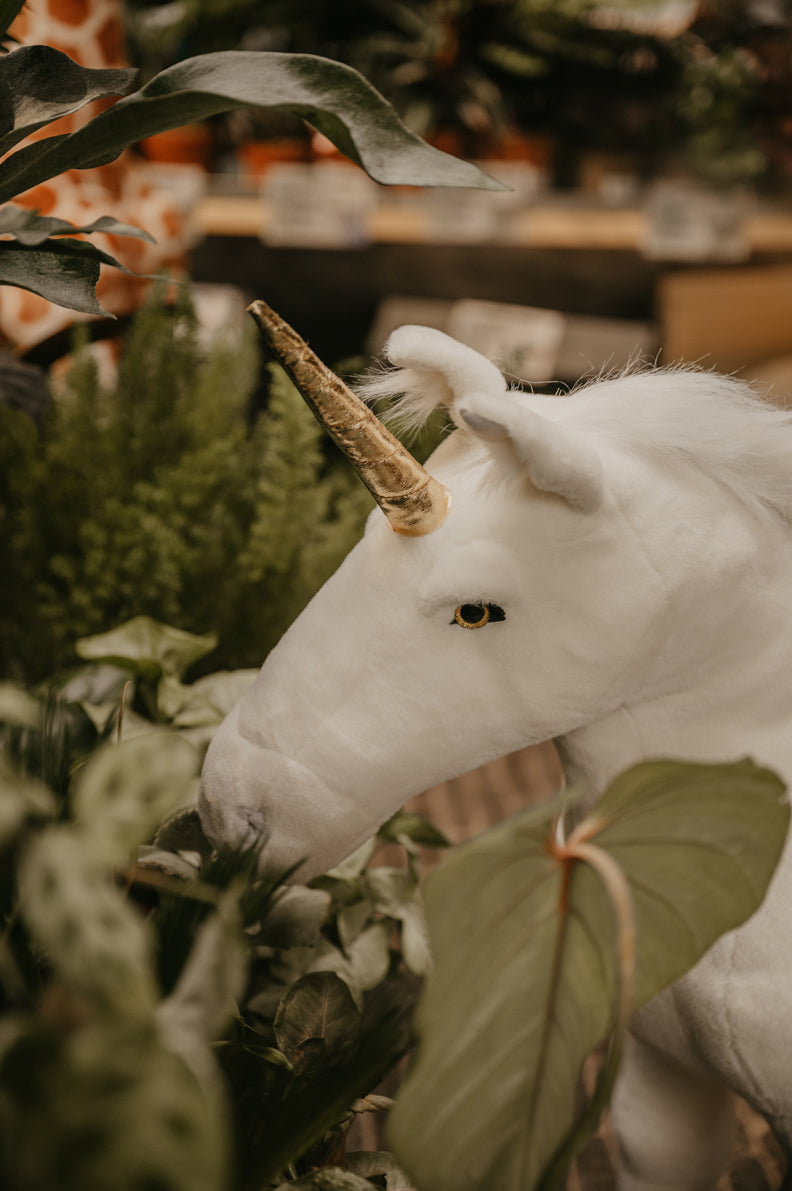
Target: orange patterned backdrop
x=92 y=33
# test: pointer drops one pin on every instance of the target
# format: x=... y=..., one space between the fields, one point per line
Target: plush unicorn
x=612 y=569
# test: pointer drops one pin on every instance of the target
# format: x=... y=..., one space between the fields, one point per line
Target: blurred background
x=647 y=147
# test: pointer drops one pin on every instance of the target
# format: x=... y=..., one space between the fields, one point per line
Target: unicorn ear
x=556 y=459
x=430 y=369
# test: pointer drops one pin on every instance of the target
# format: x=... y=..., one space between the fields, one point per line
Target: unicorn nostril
x=251 y=822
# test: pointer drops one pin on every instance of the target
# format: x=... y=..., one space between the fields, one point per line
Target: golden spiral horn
x=414 y=502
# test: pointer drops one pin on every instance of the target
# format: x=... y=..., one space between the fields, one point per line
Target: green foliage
x=178 y=1017
x=39 y=84
x=579 y=933
x=155 y=498
x=226 y=1038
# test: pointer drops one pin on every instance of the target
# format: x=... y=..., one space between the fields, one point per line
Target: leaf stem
x=618 y=890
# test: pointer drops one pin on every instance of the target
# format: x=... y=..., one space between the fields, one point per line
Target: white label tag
x=691 y=222
x=521 y=340
x=324 y=205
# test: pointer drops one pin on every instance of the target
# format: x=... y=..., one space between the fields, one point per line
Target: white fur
x=639 y=543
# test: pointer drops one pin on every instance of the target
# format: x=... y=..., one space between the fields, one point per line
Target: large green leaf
x=332 y=97
x=526 y=969
x=65 y=273
x=39 y=84
x=698 y=845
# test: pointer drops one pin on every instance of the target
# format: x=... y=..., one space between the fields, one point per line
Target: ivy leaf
x=332 y=97
x=39 y=84
x=526 y=970
x=395 y=893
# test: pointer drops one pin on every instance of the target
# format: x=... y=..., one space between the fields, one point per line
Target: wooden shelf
x=541 y=225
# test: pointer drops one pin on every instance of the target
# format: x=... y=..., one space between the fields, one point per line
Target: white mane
x=718 y=423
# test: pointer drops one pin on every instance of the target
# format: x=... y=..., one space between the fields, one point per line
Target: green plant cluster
x=156 y=496
x=179 y=1017
x=169 y=1017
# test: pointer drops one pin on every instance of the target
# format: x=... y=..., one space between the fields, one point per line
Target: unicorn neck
x=737 y=706
x=736 y=720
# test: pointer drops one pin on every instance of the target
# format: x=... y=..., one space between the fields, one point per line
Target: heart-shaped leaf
x=148 y=647
x=526 y=959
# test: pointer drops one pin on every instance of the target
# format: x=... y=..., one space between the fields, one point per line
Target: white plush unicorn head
x=588 y=567
x=611 y=568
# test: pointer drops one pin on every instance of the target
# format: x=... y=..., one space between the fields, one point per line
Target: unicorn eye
x=475 y=616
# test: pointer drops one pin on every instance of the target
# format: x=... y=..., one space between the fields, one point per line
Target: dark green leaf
x=39 y=84
x=525 y=964
x=30 y=228
x=60 y=276
x=319 y=1096
x=317 y=1011
x=332 y=97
